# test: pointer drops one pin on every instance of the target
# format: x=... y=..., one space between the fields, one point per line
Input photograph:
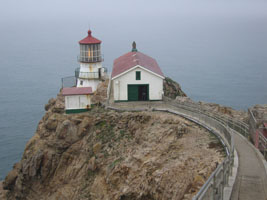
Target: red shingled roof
x=77 y=91
x=131 y=59
x=90 y=39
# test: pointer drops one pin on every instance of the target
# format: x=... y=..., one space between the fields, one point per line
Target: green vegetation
x=115 y=162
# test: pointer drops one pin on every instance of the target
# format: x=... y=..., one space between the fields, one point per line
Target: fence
x=91 y=59
x=237 y=125
x=69 y=81
x=214 y=186
x=263 y=144
x=260 y=141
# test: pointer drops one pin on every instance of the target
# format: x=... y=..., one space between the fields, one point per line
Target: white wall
x=77 y=101
x=90 y=67
x=85 y=78
x=88 y=83
x=120 y=84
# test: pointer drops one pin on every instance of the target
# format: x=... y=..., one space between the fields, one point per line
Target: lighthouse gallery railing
x=91 y=59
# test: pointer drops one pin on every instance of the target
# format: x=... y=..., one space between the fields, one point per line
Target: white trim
x=132 y=68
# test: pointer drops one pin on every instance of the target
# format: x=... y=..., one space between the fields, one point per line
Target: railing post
x=219 y=178
x=214 y=189
x=232 y=157
x=224 y=170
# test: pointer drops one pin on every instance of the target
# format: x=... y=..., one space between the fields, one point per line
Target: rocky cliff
x=172 y=89
x=103 y=154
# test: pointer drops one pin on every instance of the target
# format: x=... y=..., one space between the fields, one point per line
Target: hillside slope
x=104 y=154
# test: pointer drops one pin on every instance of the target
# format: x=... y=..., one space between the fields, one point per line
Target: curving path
x=251 y=181
x=251 y=176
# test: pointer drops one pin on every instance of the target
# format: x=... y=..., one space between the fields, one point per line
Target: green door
x=132 y=92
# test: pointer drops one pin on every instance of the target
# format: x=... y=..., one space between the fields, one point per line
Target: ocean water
x=221 y=60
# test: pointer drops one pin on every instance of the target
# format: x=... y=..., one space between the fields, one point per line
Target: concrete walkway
x=251 y=177
x=251 y=181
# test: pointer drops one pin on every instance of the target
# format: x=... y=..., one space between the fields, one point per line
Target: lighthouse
x=80 y=88
x=90 y=73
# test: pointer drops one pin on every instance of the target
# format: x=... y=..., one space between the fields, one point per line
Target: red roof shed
x=77 y=91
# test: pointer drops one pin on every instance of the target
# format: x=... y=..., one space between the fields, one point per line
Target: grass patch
x=115 y=162
x=90 y=174
x=107 y=132
x=100 y=124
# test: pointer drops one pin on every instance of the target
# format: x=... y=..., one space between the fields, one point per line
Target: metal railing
x=214 y=186
x=233 y=123
x=91 y=59
x=87 y=75
x=69 y=81
x=263 y=144
x=260 y=141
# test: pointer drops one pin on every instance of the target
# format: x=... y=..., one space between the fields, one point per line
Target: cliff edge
x=172 y=89
x=103 y=154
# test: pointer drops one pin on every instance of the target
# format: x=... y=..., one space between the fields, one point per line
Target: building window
x=81 y=82
x=138 y=75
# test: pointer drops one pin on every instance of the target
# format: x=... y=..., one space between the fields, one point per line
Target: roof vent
x=134 y=47
x=89 y=33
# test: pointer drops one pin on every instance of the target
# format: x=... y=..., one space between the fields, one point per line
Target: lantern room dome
x=90 y=39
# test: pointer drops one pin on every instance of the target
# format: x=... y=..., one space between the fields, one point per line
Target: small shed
x=136 y=77
x=77 y=99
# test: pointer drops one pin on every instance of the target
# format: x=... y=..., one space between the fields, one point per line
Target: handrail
x=263 y=144
x=213 y=188
x=237 y=125
x=88 y=75
x=91 y=59
x=69 y=81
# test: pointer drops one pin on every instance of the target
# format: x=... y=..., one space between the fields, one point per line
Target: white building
x=77 y=99
x=91 y=72
x=136 y=77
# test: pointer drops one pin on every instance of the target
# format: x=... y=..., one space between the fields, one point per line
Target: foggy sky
x=90 y=10
x=218 y=38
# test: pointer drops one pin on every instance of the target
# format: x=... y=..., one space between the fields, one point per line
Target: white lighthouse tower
x=91 y=72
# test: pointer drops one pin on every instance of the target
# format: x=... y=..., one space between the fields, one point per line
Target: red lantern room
x=90 y=49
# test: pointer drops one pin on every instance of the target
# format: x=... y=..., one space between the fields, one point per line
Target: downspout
x=108 y=90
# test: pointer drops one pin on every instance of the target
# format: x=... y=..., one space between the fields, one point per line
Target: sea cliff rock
x=103 y=154
x=172 y=89
x=100 y=96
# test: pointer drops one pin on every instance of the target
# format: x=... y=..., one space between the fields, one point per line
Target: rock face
x=100 y=95
x=104 y=154
x=172 y=89
x=260 y=112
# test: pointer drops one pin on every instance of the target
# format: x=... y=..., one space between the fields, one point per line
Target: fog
x=213 y=48
x=91 y=10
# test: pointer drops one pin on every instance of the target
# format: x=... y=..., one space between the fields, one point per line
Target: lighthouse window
x=90 y=52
